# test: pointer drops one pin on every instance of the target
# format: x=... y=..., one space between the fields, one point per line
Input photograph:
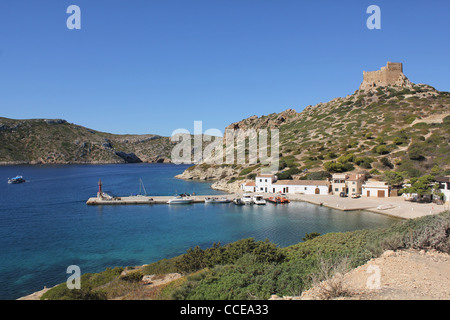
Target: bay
x=46 y=226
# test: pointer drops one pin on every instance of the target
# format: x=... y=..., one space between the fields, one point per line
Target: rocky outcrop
x=271 y=121
x=128 y=157
x=219 y=174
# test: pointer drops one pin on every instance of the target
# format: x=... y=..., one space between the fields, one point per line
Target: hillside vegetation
x=391 y=128
x=249 y=269
x=59 y=142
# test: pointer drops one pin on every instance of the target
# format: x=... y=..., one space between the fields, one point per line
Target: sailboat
x=142 y=188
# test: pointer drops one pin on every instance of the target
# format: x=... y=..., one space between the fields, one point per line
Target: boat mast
x=141 y=186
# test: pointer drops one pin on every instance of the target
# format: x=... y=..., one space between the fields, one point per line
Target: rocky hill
x=55 y=141
x=394 y=127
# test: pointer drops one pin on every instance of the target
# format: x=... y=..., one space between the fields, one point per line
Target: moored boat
x=258 y=199
x=16 y=180
x=223 y=200
x=278 y=199
x=247 y=198
x=210 y=200
x=180 y=200
x=217 y=200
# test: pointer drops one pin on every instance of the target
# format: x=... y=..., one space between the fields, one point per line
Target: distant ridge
x=55 y=141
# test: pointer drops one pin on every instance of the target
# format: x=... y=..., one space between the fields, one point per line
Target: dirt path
x=400 y=275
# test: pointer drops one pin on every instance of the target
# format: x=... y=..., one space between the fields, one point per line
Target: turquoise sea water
x=45 y=225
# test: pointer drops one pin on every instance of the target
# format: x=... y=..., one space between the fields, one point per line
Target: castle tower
x=389 y=75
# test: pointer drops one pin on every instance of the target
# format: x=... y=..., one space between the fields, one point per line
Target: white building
x=377 y=189
x=444 y=187
x=270 y=184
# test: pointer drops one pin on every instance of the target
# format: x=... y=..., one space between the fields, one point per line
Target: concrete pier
x=147 y=200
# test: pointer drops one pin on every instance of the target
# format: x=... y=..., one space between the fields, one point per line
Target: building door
x=368 y=193
x=287 y=189
x=317 y=191
x=380 y=193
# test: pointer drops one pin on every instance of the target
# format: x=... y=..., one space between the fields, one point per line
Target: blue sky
x=156 y=66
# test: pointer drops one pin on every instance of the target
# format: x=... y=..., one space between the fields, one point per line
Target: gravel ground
x=400 y=275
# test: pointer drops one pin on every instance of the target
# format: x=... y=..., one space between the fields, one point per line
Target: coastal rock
x=128 y=157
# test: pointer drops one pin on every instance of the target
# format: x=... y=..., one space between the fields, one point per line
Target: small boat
x=247 y=198
x=223 y=200
x=278 y=199
x=180 y=200
x=16 y=180
x=217 y=200
x=258 y=199
x=238 y=201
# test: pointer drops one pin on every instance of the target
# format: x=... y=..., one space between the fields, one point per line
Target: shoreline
x=395 y=207
x=400 y=209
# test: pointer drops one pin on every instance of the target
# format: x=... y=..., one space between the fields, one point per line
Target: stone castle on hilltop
x=391 y=74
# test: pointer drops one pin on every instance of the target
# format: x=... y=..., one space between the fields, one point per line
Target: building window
x=306 y=188
x=353 y=189
x=353 y=182
x=260 y=180
x=266 y=180
x=336 y=189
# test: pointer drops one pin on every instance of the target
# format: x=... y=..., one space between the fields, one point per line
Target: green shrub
x=364 y=162
x=133 y=276
x=415 y=152
x=90 y=283
x=332 y=166
x=382 y=149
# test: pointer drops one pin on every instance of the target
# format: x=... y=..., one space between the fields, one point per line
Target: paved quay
x=134 y=200
x=391 y=206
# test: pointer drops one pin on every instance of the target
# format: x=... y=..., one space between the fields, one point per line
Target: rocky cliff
x=405 y=129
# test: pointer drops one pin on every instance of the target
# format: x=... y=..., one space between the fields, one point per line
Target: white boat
x=223 y=200
x=238 y=201
x=210 y=200
x=16 y=180
x=217 y=200
x=180 y=200
x=247 y=198
x=258 y=199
